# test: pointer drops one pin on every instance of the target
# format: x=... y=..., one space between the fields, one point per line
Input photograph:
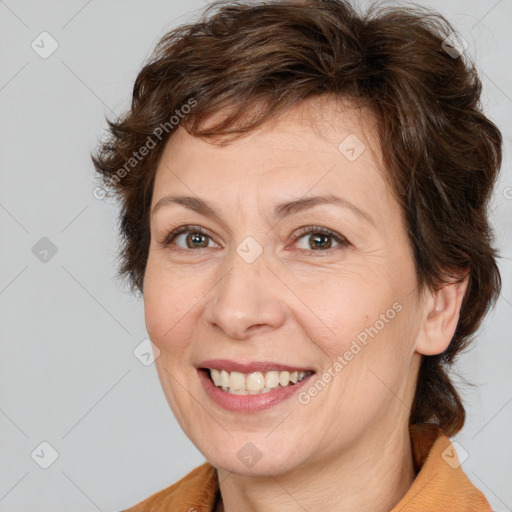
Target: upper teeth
x=254 y=382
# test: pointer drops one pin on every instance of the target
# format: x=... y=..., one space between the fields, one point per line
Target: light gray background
x=68 y=375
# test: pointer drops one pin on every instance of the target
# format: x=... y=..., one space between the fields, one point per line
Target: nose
x=246 y=300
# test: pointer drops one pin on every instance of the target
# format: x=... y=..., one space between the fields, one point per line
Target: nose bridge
x=247 y=294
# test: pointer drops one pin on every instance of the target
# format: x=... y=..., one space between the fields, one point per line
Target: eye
x=196 y=237
x=322 y=241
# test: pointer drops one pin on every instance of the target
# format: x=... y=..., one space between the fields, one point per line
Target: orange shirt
x=440 y=485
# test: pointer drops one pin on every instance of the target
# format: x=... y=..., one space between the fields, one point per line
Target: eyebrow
x=281 y=210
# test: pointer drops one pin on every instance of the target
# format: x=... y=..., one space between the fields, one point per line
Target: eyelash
x=342 y=241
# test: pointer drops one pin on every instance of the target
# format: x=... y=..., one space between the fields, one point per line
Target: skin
x=348 y=448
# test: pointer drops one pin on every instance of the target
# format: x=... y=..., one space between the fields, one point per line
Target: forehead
x=322 y=145
x=321 y=124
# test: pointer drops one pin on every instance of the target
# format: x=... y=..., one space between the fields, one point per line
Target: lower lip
x=248 y=403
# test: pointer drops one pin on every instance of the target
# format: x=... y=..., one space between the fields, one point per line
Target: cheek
x=343 y=308
x=368 y=337
x=375 y=360
x=368 y=378
x=170 y=304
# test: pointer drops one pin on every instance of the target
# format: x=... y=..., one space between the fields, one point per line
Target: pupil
x=317 y=238
x=195 y=239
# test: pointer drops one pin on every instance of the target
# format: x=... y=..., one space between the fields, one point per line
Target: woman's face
x=255 y=288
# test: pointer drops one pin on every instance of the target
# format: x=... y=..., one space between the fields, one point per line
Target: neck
x=369 y=477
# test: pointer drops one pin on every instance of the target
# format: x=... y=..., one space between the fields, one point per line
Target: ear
x=442 y=310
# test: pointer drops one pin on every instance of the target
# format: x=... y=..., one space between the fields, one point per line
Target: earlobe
x=442 y=311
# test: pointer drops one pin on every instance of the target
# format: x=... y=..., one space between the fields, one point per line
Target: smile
x=254 y=383
x=250 y=387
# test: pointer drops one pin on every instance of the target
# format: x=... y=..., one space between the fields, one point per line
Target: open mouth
x=254 y=383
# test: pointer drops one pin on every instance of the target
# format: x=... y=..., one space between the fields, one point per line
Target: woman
x=304 y=195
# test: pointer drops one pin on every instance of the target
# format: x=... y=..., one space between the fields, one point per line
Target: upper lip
x=256 y=366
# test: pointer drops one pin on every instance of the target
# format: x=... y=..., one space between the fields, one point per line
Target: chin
x=262 y=467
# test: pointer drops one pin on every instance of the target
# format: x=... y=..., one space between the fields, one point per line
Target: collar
x=440 y=484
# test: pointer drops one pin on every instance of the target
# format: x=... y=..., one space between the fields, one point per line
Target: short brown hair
x=441 y=153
